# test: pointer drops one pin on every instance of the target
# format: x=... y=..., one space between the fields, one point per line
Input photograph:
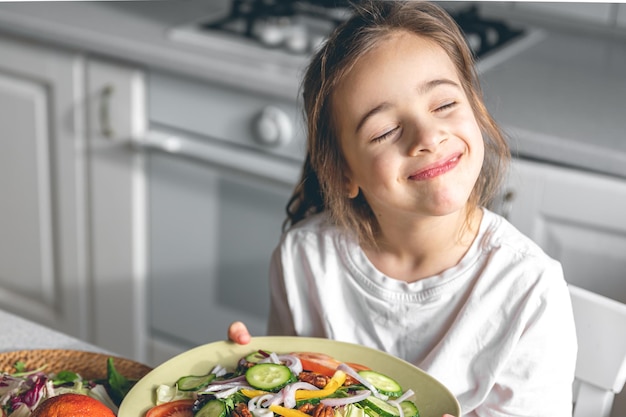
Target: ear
x=352 y=189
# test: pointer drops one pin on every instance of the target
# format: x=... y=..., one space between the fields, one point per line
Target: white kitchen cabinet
x=60 y=193
x=577 y=217
x=43 y=269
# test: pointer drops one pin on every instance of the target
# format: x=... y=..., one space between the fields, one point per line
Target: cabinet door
x=42 y=167
x=116 y=112
x=576 y=217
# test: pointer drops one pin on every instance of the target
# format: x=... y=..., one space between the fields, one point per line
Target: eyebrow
x=421 y=90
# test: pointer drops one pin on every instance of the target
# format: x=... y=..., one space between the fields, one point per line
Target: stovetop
x=298 y=27
x=282 y=34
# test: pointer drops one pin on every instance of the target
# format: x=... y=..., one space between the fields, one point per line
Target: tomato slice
x=179 y=408
x=322 y=363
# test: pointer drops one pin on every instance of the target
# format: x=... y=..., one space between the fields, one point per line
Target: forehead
x=400 y=57
x=398 y=64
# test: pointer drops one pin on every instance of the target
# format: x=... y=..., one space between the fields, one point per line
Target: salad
x=23 y=390
x=297 y=384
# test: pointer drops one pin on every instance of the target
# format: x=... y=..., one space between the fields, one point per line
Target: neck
x=414 y=250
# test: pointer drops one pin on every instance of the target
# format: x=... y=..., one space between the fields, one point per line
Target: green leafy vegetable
x=65 y=377
x=20 y=366
x=119 y=385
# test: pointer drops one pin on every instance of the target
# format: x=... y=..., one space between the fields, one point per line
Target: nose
x=425 y=137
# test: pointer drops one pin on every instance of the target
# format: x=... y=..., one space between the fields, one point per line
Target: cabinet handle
x=257 y=164
x=105 y=111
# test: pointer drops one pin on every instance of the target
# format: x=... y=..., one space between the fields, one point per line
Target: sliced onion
x=262 y=412
x=218 y=370
x=289 y=392
x=397 y=401
x=292 y=362
x=338 y=402
x=255 y=402
x=354 y=374
x=273 y=399
x=274 y=358
x=227 y=385
x=227 y=392
x=405 y=396
x=400 y=410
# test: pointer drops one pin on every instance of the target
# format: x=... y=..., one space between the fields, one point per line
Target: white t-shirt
x=497 y=329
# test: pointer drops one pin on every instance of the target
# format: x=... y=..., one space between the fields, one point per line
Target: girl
x=389 y=242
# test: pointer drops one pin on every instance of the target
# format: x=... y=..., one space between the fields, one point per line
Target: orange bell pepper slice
x=333 y=385
x=251 y=393
x=287 y=412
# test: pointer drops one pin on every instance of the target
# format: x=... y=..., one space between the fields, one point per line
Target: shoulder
x=500 y=235
x=313 y=234
x=314 y=228
x=516 y=261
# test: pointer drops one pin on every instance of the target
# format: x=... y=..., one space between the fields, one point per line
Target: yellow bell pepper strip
x=251 y=393
x=287 y=412
x=333 y=385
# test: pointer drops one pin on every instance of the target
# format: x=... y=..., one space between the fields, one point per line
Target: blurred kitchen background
x=148 y=149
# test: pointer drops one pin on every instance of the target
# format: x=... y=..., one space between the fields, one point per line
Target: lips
x=436 y=169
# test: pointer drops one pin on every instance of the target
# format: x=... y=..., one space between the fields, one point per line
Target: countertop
x=560 y=100
x=17 y=333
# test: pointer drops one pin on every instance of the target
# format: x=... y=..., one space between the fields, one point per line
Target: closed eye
x=446 y=106
x=385 y=135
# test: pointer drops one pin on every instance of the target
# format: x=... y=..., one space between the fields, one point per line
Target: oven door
x=215 y=216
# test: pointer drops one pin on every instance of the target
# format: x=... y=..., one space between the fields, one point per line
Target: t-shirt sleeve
x=536 y=380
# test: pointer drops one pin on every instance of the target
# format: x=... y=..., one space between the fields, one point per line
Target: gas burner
x=296 y=27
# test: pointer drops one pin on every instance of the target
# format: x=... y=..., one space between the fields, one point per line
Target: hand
x=448 y=415
x=238 y=333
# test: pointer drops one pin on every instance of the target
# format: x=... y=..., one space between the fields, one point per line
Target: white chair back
x=601 y=363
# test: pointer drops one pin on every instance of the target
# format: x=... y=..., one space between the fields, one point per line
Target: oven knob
x=273 y=127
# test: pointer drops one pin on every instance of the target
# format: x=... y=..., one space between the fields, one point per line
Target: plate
x=89 y=365
x=431 y=397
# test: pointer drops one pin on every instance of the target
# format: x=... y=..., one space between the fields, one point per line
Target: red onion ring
x=290 y=361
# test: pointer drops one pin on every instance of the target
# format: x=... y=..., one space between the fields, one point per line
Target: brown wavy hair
x=322 y=186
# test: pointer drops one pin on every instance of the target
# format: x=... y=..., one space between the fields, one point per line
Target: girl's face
x=407 y=130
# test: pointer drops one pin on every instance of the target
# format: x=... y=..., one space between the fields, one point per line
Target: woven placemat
x=89 y=365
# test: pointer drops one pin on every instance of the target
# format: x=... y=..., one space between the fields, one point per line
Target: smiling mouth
x=436 y=169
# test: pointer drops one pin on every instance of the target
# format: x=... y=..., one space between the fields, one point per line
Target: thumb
x=238 y=333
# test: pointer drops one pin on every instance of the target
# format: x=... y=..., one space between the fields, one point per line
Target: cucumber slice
x=254 y=357
x=194 y=382
x=409 y=409
x=383 y=383
x=213 y=408
x=269 y=376
x=383 y=408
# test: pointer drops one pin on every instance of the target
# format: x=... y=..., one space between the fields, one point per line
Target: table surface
x=17 y=333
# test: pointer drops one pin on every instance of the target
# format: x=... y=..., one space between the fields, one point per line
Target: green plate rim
x=433 y=399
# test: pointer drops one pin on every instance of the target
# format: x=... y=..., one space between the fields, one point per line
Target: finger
x=238 y=333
